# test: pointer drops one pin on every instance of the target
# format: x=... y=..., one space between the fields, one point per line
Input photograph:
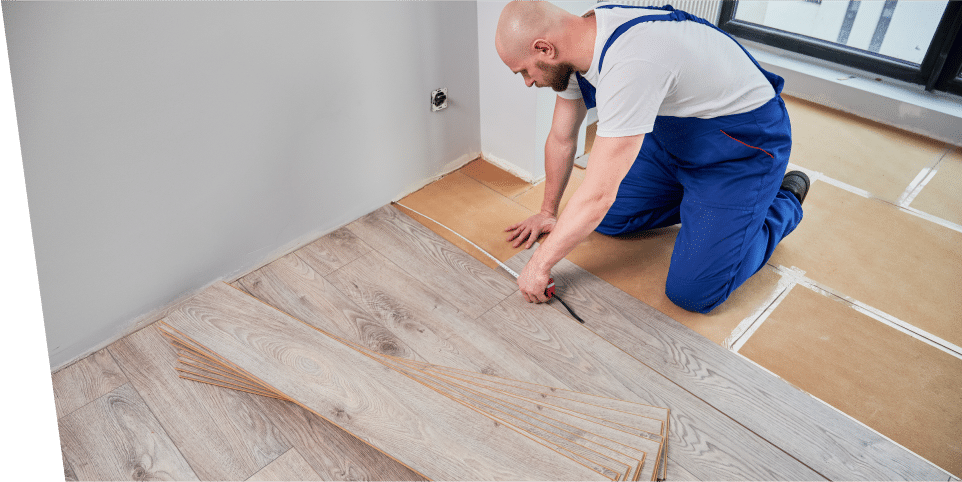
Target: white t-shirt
x=671 y=68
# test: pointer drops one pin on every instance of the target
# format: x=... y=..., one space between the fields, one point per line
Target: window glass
x=902 y=30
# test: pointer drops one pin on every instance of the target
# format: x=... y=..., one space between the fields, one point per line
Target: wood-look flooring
x=394 y=287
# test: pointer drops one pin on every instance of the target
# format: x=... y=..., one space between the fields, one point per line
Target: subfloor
x=860 y=306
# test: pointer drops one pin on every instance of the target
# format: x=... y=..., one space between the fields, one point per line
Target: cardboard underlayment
x=224 y=338
x=860 y=366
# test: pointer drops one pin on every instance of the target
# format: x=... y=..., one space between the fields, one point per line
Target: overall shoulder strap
x=678 y=16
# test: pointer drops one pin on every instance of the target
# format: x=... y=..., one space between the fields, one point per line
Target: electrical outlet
x=439 y=99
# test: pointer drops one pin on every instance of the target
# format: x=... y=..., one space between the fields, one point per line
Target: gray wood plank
x=643 y=417
x=426 y=321
x=116 y=437
x=332 y=453
x=290 y=466
x=239 y=285
x=814 y=433
x=68 y=473
x=677 y=472
x=704 y=440
x=399 y=416
x=467 y=283
x=571 y=440
x=84 y=381
x=292 y=286
x=333 y=250
x=220 y=432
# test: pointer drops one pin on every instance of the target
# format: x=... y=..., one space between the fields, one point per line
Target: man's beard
x=557 y=76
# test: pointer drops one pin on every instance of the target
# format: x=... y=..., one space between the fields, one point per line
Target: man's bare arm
x=559 y=153
x=611 y=158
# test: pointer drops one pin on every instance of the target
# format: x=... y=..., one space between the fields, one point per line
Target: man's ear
x=544 y=48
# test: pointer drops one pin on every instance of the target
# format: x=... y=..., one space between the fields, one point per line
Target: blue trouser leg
x=732 y=211
x=650 y=195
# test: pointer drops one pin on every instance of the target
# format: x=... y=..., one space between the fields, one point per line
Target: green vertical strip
x=30 y=447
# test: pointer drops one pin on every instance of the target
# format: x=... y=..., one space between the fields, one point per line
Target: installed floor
x=393 y=286
x=859 y=307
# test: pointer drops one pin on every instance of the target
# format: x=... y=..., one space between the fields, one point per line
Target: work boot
x=797 y=183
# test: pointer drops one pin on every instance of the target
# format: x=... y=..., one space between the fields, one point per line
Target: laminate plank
x=68 y=473
x=567 y=440
x=703 y=439
x=222 y=433
x=116 y=437
x=633 y=437
x=642 y=417
x=82 y=382
x=237 y=284
x=399 y=416
x=294 y=287
x=290 y=466
x=809 y=430
x=332 y=453
x=332 y=251
x=608 y=449
x=677 y=472
x=425 y=320
x=466 y=283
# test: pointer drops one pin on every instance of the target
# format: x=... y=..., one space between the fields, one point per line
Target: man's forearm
x=559 y=158
x=612 y=158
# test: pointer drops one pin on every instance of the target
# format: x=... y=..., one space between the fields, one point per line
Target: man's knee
x=699 y=296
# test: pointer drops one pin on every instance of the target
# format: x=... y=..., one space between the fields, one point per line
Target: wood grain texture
x=643 y=417
x=412 y=423
x=812 y=432
x=290 y=466
x=82 y=382
x=468 y=284
x=237 y=284
x=116 y=437
x=332 y=453
x=68 y=473
x=425 y=320
x=292 y=286
x=703 y=439
x=570 y=441
x=677 y=472
x=222 y=433
x=332 y=251
x=542 y=405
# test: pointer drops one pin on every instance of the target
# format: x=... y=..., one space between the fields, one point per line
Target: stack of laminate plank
x=441 y=422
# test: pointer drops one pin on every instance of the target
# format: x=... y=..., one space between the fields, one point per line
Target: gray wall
x=169 y=145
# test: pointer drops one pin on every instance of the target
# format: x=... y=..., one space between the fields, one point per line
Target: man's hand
x=533 y=282
x=530 y=229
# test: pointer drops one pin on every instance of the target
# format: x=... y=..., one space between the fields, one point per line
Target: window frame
x=939 y=70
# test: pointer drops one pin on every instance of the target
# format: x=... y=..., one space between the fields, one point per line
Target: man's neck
x=583 y=39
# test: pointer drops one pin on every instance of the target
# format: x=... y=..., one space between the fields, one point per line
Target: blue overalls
x=720 y=178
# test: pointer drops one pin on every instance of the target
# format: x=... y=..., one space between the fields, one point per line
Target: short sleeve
x=629 y=95
x=573 y=91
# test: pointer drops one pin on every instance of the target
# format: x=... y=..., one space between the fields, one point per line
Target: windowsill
x=899 y=104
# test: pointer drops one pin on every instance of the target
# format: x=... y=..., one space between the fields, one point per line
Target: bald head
x=524 y=22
